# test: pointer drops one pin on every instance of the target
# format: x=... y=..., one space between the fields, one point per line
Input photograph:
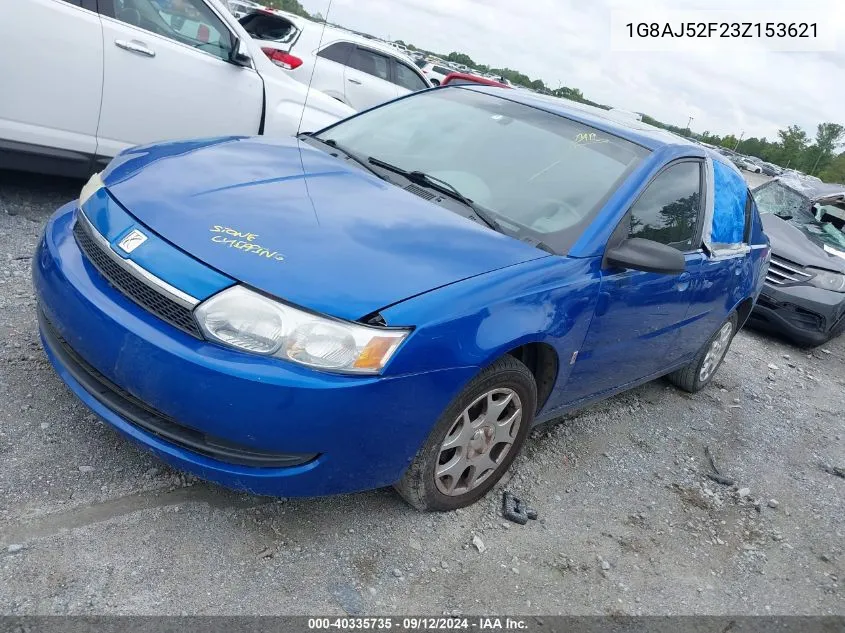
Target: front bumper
x=806 y=314
x=339 y=433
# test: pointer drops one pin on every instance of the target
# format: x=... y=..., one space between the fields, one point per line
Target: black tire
x=435 y=82
x=688 y=377
x=418 y=486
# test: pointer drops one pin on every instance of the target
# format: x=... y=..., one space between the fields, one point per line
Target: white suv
x=436 y=73
x=129 y=72
x=353 y=69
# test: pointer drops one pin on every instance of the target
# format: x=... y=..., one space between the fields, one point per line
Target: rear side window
x=338 y=52
x=440 y=70
x=668 y=211
x=370 y=62
x=407 y=78
x=269 y=28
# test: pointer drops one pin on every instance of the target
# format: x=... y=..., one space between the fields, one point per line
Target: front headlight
x=827 y=280
x=248 y=321
x=94 y=184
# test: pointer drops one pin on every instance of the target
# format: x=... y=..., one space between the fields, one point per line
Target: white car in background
x=131 y=72
x=435 y=73
x=749 y=165
x=353 y=69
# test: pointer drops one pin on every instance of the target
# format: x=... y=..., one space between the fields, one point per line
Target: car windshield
x=788 y=204
x=539 y=174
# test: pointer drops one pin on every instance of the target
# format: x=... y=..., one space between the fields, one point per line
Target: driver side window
x=668 y=211
x=189 y=22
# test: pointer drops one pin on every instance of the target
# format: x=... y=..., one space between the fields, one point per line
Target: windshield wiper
x=351 y=155
x=434 y=182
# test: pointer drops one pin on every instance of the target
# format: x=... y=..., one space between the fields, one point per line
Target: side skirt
x=570 y=407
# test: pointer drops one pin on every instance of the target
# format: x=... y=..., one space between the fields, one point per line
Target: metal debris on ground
x=513 y=509
x=716 y=475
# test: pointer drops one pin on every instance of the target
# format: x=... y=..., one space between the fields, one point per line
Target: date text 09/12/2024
x=460 y=623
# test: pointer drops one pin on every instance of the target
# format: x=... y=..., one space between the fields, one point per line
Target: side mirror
x=653 y=257
x=239 y=54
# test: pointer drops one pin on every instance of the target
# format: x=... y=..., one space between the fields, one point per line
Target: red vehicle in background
x=466 y=78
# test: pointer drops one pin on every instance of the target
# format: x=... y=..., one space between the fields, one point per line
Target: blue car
x=398 y=298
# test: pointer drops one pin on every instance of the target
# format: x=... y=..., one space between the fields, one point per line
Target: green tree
x=710 y=139
x=835 y=171
x=828 y=137
x=291 y=6
x=460 y=58
x=729 y=141
x=752 y=146
x=573 y=94
x=793 y=142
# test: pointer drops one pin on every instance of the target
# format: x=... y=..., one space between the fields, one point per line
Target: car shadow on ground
x=35 y=196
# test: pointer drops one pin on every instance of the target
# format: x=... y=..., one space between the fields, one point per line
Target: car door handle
x=135 y=46
x=354 y=81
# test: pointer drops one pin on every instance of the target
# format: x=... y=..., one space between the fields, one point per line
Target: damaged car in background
x=804 y=294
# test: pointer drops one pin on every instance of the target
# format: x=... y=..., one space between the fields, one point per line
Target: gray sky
x=568 y=41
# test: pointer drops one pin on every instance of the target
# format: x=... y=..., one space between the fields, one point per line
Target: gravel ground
x=629 y=523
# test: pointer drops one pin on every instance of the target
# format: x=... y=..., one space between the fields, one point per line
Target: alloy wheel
x=716 y=352
x=478 y=441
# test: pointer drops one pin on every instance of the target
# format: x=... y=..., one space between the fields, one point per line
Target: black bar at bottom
x=403 y=624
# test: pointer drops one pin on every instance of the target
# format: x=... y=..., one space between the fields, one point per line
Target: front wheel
x=474 y=441
x=701 y=369
x=435 y=82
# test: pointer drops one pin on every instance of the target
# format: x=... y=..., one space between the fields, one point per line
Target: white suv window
x=189 y=22
x=338 y=52
x=407 y=78
x=370 y=62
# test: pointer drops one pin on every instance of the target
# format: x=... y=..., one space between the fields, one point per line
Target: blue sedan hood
x=300 y=224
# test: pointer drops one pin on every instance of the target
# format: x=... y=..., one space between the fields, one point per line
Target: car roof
x=334 y=33
x=455 y=77
x=811 y=189
x=624 y=126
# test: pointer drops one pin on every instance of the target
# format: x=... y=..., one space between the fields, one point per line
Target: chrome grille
x=784 y=272
x=146 y=296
